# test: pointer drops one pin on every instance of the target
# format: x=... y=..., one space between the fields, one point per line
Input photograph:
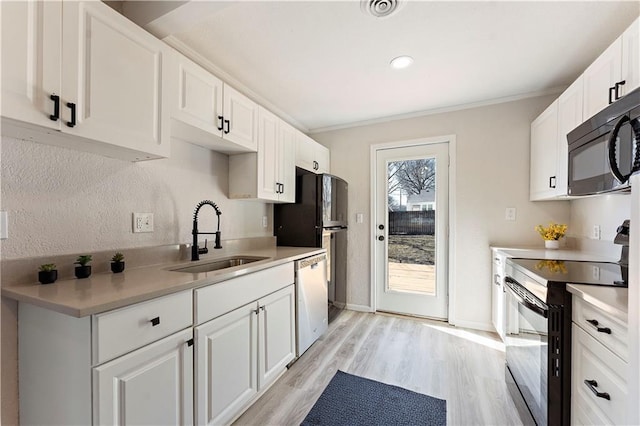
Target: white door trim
x=451 y=139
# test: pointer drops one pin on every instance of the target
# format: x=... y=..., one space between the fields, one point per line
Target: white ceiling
x=325 y=64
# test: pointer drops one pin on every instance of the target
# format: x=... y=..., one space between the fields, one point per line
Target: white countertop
x=106 y=291
x=612 y=300
x=561 y=254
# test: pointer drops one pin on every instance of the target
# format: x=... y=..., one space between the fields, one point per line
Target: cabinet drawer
x=123 y=330
x=613 y=332
x=217 y=299
x=594 y=362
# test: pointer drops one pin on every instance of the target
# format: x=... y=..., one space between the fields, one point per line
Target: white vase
x=552 y=244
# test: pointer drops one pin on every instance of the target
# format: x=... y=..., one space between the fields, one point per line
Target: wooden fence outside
x=412 y=223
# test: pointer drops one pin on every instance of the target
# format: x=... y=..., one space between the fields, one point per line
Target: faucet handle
x=218 y=245
x=203 y=250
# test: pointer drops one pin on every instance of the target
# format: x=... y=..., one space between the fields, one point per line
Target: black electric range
x=538 y=333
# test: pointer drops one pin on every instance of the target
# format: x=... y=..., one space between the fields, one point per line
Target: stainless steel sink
x=216 y=265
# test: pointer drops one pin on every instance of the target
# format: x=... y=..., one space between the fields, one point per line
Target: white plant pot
x=552 y=244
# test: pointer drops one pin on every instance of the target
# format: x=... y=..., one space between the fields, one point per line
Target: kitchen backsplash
x=62 y=201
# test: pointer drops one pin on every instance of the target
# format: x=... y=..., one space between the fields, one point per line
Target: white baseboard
x=359 y=308
x=475 y=325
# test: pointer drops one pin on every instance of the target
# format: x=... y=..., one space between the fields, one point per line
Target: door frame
x=451 y=272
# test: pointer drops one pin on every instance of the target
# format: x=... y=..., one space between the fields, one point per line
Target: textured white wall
x=62 y=201
x=492 y=174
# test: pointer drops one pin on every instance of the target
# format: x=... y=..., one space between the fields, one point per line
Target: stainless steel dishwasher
x=312 y=309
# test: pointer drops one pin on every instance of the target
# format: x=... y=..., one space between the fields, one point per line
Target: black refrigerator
x=318 y=218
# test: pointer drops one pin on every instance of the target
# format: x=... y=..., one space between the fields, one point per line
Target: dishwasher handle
x=310 y=262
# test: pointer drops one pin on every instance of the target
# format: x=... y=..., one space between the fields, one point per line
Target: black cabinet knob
x=155 y=321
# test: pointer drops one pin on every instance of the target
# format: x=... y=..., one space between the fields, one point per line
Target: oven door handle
x=521 y=300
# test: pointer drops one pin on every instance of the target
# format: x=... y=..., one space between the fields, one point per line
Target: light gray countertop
x=561 y=254
x=106 y=291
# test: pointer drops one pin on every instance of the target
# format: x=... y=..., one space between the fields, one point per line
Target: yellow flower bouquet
x=554 y=231
x=552 y=234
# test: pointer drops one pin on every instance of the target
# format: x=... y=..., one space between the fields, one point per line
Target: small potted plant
x=117 y=263
x=83 y=270
x=48 y=273
x=552 y=234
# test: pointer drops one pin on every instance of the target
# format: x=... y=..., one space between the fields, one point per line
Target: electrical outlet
x=510 y=214
x=595 y=232
x=142 y=222
x=596 y=273
x=359 y=217
x=265 y=221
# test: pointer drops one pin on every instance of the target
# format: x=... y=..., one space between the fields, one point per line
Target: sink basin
x=216 y=265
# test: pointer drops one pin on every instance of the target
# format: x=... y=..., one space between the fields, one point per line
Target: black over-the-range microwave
x=604 y=151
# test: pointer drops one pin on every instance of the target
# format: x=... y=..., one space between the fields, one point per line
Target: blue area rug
x=352 y=400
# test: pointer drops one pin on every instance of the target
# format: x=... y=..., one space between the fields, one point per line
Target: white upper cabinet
x=631 y=57
x=311 y=156
x=544 y=139
x=107 y=76
x=268 y=174
x=615 y=73
x=207 y=112
x=569 y=117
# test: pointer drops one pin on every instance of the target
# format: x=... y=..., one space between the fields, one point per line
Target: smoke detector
x=380 y=8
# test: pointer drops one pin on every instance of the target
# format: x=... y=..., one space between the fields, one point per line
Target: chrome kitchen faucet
x=195 y=251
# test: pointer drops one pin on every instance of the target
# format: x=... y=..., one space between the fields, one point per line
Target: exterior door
x=411 y=226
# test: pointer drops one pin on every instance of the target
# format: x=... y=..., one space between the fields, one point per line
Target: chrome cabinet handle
x=592 y=385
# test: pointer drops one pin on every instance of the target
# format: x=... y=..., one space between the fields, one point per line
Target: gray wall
x=492 y=174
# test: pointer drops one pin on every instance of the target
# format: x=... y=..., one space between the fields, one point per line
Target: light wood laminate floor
x=464 y=367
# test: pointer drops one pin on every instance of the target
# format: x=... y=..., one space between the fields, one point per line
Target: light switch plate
x=142 y=222
x=595 y=232
x=359 y=218
x=510 y=214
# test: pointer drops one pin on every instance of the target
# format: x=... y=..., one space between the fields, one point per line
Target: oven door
x=526 y=343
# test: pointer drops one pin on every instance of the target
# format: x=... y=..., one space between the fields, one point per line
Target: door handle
x=56 y=107
x=595 y=323
x=381 y=238
x=72 y=107
x=592 y=385
x=611 y=94
x=381 y=227
x=617 y=88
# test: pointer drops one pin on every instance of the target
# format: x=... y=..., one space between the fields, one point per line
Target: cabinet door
x=286 y=163
x=569 y=117
x=112 y=71
x=277 y=343
x=153 y=385
x=544 y=137
x=31 y=55
x=601 y=75
x=323 y=158
x=305 y=153
x=226 y=365
x=631 y=57
x=241 y=113
x=197 y=97
x=498 y=302
x=267 y=155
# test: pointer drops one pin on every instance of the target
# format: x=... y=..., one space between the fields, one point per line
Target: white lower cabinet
x=498 y=308
x=242 y=352
x=153 y=385
x=599 y=369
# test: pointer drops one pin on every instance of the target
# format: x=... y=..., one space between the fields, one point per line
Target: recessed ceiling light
x=401 y=62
